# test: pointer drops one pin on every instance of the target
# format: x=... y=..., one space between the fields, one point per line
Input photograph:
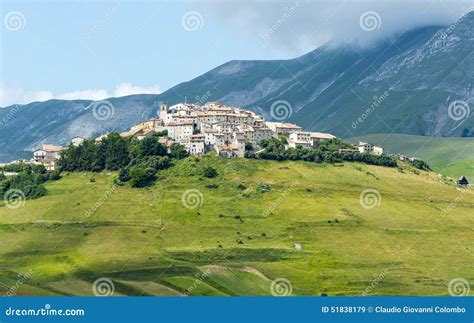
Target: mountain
x=25 y=128
x=403 y=85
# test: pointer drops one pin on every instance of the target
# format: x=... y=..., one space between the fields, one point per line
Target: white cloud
x=18 y=95
x=294 y=27
x=9 y=96
x=95 y=94
x=124 y=89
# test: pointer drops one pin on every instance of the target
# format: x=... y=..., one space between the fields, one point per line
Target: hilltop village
x=227 y=130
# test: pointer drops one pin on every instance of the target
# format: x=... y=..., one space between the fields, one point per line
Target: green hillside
x=242 y=234
x=447 y=155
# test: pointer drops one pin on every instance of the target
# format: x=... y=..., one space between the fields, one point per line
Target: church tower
x=163 y=112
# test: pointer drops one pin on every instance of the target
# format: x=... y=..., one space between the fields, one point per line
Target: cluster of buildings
x=226 y=130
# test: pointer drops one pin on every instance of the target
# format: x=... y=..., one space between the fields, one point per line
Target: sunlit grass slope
x=418 y=236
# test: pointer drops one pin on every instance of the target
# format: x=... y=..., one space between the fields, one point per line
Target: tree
x=123 y=175
x=178 y=151
x=116 y=151
x=140 y=177
x=467 y=133
x=149 y=146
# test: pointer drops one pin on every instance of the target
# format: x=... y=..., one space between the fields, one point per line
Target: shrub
x=55 y=175
x=123 y=175
x=418 y=163
x=178 y=151
x=28 y=182
x=263 y=188
x=140 y=177
x=241 y=187
x=210 y=172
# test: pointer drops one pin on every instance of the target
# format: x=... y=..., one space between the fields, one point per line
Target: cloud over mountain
x=296 y=27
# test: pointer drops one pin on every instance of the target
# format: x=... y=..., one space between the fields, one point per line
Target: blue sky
x=89 y=46
x=96 y=49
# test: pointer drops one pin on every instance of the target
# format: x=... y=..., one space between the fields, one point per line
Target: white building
x=180 y=130
x=195 y=145
x=299 y=139
x=77 y=141
x=317 y=137
x=282 y=128
x=365 y=147
x=48 y=156
x=307 y=139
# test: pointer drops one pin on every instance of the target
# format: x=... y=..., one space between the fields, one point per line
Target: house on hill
x=48 y=156
x=462 y=181
x=365 y=147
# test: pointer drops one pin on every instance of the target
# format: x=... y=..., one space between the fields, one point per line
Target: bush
x=241 y=187
x=123 y=175
x=140 y=177
x=55 y=175
x=178 y=151
x=210 y=172
x=418 y=163
x=28 y=182
x=263 y=188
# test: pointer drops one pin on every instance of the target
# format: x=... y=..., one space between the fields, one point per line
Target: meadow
x=325 y=229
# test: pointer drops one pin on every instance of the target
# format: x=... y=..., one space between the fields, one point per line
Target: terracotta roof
x=48 y=147
x=321 y=135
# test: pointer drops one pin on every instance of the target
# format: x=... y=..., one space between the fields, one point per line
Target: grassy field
x=449 y=156
x=240 y=237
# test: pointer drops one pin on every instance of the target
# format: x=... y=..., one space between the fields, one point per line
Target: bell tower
x=163 y=112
